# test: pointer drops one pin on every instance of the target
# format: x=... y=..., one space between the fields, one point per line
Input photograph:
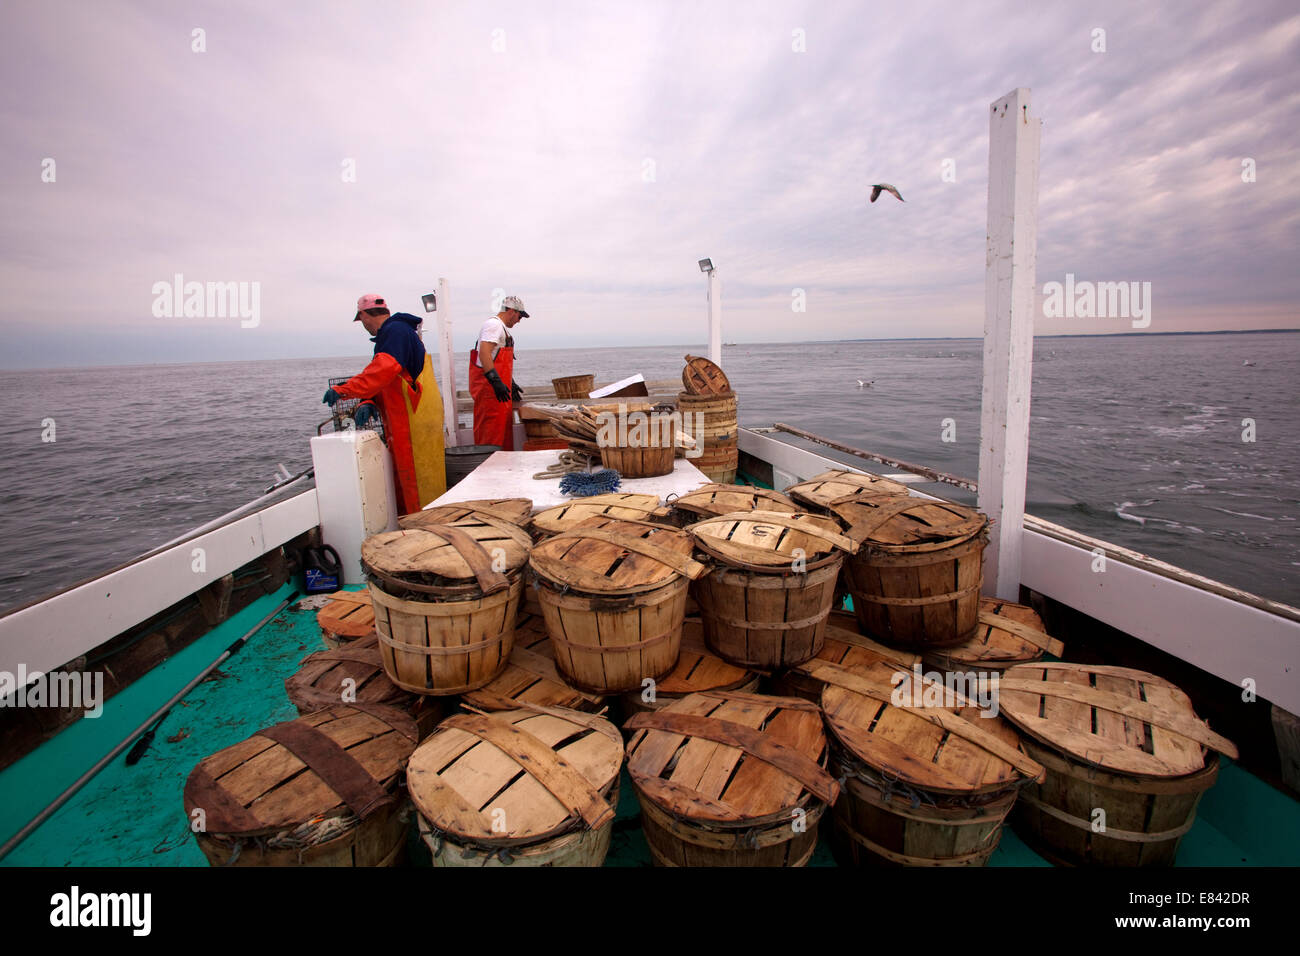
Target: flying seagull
x=879 y=187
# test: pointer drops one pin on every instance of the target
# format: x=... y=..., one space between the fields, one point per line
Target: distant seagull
x=1247 y=363
x=878 y=187
x=862 y=384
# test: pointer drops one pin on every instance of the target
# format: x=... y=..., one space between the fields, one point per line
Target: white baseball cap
x=516 y=303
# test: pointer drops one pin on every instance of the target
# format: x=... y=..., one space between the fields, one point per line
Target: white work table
x=509 y=474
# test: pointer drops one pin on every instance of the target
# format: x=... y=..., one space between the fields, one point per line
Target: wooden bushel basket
x=924 y=785
x=847 y=648
x=697 y=670
x=633 y=507
x=730 y=779
x=322 y=790
x=820 y=492
x=355 y=673
x=613 y=595
x=711 y=500
x=1113 y=739
x=758 y=611
x=530 y=676
x=445 y=617
x=574 y=386
x=915 y=582
x=535 y=786
x=1007 y=634
x=718 y=453
x=349 y=616
x=641 y=446
x=514 y=510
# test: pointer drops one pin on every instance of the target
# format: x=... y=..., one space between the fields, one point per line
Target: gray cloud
x=524 y=169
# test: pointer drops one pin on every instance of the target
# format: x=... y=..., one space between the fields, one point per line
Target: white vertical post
x=715 y=318
x=1009 y=302
x=446 y=365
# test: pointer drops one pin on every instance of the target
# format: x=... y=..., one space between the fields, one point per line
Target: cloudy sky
x=584 y=156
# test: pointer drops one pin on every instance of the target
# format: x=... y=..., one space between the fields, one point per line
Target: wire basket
x=345 y=408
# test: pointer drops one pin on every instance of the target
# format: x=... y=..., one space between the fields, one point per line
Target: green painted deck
x=133 y=816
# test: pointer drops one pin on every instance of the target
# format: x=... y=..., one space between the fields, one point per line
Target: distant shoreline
x=696 y=346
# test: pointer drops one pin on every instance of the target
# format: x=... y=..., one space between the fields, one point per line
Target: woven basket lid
x=703 y=377
x=893 y=523
x=516 y=776
x=769 y=539
x=344 y=759
x=718 y=499
x=353 y=672
x=1116 y=718
x=530 y=676
x=608 y=556
x=615 y=505
x=698 y=669
x=730 y=758
x=477 y=553
x=348 y=616
x=514 y=510
x=830 y=486
x=949 y=749
x=1007 y=634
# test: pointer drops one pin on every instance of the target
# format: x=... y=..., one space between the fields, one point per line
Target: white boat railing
x=48 y=634
x=1223 y=630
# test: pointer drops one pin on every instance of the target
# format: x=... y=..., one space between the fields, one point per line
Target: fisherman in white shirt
x=491 y=377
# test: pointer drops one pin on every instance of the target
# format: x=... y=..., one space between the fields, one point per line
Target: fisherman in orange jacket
x=399 y=385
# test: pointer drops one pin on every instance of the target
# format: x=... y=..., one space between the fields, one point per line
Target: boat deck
x=133 y=816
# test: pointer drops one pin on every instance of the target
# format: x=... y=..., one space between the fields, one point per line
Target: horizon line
x=559 y=348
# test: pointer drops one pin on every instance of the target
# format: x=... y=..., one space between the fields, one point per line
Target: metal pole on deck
x=446 y=365
x=715 y=318
x=1009 y=304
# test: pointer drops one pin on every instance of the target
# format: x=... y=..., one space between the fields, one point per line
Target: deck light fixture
x=706 y=265
x=430 y=300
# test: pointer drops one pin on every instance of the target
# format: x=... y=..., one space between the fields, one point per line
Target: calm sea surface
x=1136 y=440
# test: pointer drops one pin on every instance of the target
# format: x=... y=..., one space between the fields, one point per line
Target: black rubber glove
x=498 y=387
x=516 y=392
x=330 y=398
x=364 y=413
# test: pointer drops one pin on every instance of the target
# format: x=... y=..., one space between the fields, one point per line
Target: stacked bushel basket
x=472 y=726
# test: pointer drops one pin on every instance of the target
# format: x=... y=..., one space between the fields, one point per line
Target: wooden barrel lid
x=348 y=616
x=730 y=758
x=346 y=758
x=530 y=676
x=941 y=749
x=1121 y=719
x=325 y=677
x=845 y=647
x=703 y=377
x=1008 y=634
x=514 y=510
x=608 y=556
x=517 y=776
x=475 y=551
x=698 y=668
x=768 y=540
x=821 y=490
x=718 y=499
x=616 y=505
x=894 y=523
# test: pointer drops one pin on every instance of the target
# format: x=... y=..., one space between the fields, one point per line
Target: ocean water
x=1136 y=440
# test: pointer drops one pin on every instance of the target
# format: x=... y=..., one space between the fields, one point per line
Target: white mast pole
x=715 y=317
x=1009 y=303
x=446 y=365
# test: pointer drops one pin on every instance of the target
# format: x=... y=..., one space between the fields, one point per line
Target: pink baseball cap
x=370 y=302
